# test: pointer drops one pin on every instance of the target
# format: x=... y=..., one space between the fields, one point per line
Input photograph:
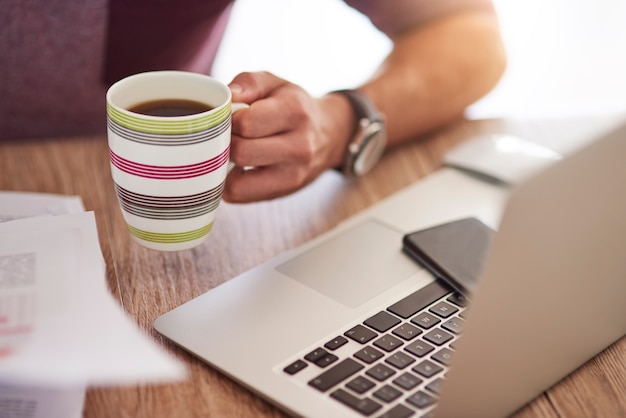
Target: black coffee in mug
x=170 y=107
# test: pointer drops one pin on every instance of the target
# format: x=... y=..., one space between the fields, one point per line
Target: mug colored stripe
x=168 y=201
x=170 y=238
x=169 y=139
x=171 y=125
x=183 y=207
x=176 y=213
x=169 y=172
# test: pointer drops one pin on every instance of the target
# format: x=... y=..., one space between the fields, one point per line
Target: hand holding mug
x=287 y=136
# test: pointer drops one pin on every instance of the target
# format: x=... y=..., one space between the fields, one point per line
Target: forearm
x=434 y=72
x=289 y=137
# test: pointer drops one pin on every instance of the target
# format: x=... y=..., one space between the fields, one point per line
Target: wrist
x=340 y=127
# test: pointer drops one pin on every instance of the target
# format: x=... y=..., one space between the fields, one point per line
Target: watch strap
x=363 y=107
x=366 y=114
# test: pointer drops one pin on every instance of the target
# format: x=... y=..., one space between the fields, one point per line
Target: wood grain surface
x=149 y=283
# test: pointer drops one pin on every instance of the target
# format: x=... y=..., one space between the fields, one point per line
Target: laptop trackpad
x=355 y=265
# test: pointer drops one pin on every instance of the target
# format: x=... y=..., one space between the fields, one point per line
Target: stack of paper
x=60 y=329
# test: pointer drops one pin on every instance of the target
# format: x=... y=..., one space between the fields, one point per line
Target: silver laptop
x=347 y=325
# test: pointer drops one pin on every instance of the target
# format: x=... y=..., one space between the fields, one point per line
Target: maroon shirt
x=140 y=39
x=58 y=57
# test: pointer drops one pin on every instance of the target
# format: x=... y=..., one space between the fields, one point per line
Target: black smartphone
x=453 y=252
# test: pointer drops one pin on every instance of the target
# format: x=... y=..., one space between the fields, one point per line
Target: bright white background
x=565 y=56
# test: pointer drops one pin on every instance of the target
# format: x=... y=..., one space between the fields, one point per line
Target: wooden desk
x=149 y=283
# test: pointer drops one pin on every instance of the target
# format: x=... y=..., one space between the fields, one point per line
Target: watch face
x=372 y=149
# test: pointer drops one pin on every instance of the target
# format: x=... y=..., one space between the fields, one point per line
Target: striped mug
x=169 y=169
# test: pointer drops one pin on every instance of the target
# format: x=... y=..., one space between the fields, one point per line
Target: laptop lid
x=551 y=295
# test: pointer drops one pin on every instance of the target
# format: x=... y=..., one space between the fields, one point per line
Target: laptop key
x=365 y=406
x=407 y=331
x=421 y=399
x=360 y=384
x=295 y=367
x=316 y=354
x=427 y=368
x=382 y=321
x=398 y=411
x=419 y=348
x=387 y=394
x=407 y=381
x=336 y=342
x=380 y=372
x=368 y=355
x=438 y=336
x=399 y=360
x=327 y=360
x=388 y=343
x=417 y=301
x=443 y=356
x=336 y=374
x=425 y=320
x=435 y=386
x=360 y=334
x=454 y=325
x=443 y=309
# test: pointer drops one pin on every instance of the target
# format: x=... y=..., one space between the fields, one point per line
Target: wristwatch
x=370 y=136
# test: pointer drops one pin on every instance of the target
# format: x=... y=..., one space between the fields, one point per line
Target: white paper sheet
x=79 y=333
x=60 y=329
x=29 y=402
x=17 y=205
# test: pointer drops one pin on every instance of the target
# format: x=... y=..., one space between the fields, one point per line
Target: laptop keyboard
x=392 y=364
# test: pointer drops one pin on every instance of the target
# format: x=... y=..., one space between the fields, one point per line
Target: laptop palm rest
x=354 y=266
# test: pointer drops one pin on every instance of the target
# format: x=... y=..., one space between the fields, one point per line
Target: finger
x=283 y=111
x=251 y=86
x=257 y=152
x=245 y=152
x=263 y=118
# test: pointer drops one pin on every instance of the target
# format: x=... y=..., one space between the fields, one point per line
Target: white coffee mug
x=169 y=171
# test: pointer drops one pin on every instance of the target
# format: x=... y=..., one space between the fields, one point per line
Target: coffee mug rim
x=157 y=73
